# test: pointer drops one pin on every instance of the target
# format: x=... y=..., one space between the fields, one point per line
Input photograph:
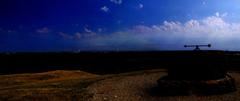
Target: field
x=110 y=76
x=81 y=86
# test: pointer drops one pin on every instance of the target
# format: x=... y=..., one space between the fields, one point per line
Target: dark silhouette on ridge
x=201 y=72
x=197 y=47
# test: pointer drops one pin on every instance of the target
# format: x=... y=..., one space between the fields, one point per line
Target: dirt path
x=138 y=88
x=132 y=88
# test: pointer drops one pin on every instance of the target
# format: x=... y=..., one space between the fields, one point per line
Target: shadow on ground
x=200 y=88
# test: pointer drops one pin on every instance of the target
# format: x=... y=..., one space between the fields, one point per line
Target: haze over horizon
x=96 y=25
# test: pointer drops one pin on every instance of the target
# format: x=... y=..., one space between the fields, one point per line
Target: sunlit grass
x=49 y=85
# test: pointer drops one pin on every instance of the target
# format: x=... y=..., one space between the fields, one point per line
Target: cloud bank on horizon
x=118 y=25
x=169 y=35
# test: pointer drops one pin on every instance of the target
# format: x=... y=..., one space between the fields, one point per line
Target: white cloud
x=167 y=35
x=140 y=6
x=224 y=14
x=171 y=35
x=204 y=2
x=87 y=34
x=87 y=30
x=221 y=15
x=65 y=36
x=116 y=1
x=217 y=14
x=43 y=30
x=105 y=9
x=100 y=30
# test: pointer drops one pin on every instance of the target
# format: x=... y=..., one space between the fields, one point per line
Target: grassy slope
x=82 y=86
x=55 y=85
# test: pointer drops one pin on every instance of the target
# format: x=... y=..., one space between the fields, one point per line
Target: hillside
x=81 y=86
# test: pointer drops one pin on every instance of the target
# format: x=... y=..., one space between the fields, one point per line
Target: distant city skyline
x=98 y=25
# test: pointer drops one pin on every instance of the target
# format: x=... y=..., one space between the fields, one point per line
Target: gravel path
x=138 y=88
x=131 y=88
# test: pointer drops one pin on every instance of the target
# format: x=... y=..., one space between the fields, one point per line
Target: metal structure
x=197 y=47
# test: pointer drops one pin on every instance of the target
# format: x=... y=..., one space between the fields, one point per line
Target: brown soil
x=82 y=86
x=141 y=88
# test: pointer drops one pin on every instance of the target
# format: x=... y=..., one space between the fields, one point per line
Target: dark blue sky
x=71 y=25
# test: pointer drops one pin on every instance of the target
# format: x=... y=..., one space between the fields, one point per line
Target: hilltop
x=63 y=85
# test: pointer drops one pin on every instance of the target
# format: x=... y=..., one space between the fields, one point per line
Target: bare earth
x=82 y=86
x=139 y=87
x=126 y=88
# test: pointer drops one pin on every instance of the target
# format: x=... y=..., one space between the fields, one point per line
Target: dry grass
x=82 y=86
x=49 y=86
